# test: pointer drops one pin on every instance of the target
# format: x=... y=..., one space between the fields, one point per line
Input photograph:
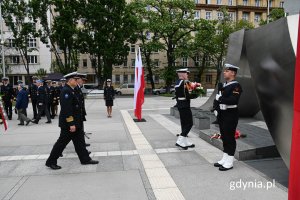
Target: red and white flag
x=139 y=85
x=3 y=117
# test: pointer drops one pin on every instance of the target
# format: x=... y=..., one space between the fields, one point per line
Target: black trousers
x=8 y=108
x=34 y=108
x=52 y=108
x=228 y=120
x=42 y=109
x=186 y=120
x=65 y=137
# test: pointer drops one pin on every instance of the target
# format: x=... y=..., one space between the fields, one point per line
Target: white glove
x=216 y=113
x=218 y=96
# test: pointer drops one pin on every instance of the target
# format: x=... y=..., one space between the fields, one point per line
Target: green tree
x=173 y=22
x=41 y=72
x=274 y=15
x=63 y=34
x=17 y=15
x=149 y=42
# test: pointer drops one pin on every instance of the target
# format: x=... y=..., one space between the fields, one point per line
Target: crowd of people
x=44 y=96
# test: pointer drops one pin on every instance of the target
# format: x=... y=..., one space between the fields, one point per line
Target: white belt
x=181 y=98
x=225 y=107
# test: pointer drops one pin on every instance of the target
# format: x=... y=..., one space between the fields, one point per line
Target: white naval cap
x=183 y=70
x=231 y=67
x=71 y=75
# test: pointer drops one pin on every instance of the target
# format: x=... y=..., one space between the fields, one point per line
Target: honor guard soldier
x=228 y=115
x=42 y=103
x=183 y=98
x=71 y=124
x=7 y=93
x=49 y=91
x=33 y=95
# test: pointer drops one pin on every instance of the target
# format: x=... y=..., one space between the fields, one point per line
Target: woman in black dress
x=109 y=96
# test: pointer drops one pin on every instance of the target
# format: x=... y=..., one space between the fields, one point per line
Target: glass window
x=15 y=59
x=84 y=62
x=208 y=78
x=196 y=1
x=184 y=62
x=245 y=2
x=281 y=4
x=31 y=42
x=197 y=61
x=257 y=17
x=32 y=59
x=245 y=16
x=219 y=2
x=130 y=85
x=132 y=48
x=230 y=2
x=197 y=14
x=231 y=16
x=257 y=3
x=156 y=63
x=11 y=43
x=118 y=79
x=132 y=62
x=208 y=15
x=220 y=15
x=207 y=1
x=125 y=78
x=132 y=78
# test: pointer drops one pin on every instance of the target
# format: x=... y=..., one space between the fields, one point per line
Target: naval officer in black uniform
x=71 y=124
x=183 y=98
x=228 y=115
x=7 y=96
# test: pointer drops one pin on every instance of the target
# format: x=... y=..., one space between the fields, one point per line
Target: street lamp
x=2 y=40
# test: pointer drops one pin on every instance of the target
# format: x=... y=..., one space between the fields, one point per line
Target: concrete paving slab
x=126 y=185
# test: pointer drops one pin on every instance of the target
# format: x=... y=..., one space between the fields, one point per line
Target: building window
x=208 y=15
x=132 y=48
x=125 y=78
x=230 y=2
x=132 y=78
x=15 y=59
x=245 y=16
x=207 y=1
x=231 y=16
x=125 y=63
x=32 y=59
x=257 y=3
x=196 y=1
x=117 y=78
x=197 y=14
x=281 y=4
x=270 y=3
x=156 y=63
x=31 y=42
x=197 y=61
x=148 y=35
x=257 y=17
x=245 y=2
x=11 y=43
x=15 y=79
x=219 y=2
x=132 y=62
x=84 y=62
x=184 y=62
x=156 y=79
x=220 y=15
x=208 y=78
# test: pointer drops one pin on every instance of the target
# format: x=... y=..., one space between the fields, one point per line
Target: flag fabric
x=294 y=176
x=139 y=85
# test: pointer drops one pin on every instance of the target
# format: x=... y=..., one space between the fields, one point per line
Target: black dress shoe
x=48 y=122
x=224 y=168
x=87 y=145
x=53 y=166
x=28 y=122
x=35 y=121
x=91 y=162
x=21 y=124
x=217 y=165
